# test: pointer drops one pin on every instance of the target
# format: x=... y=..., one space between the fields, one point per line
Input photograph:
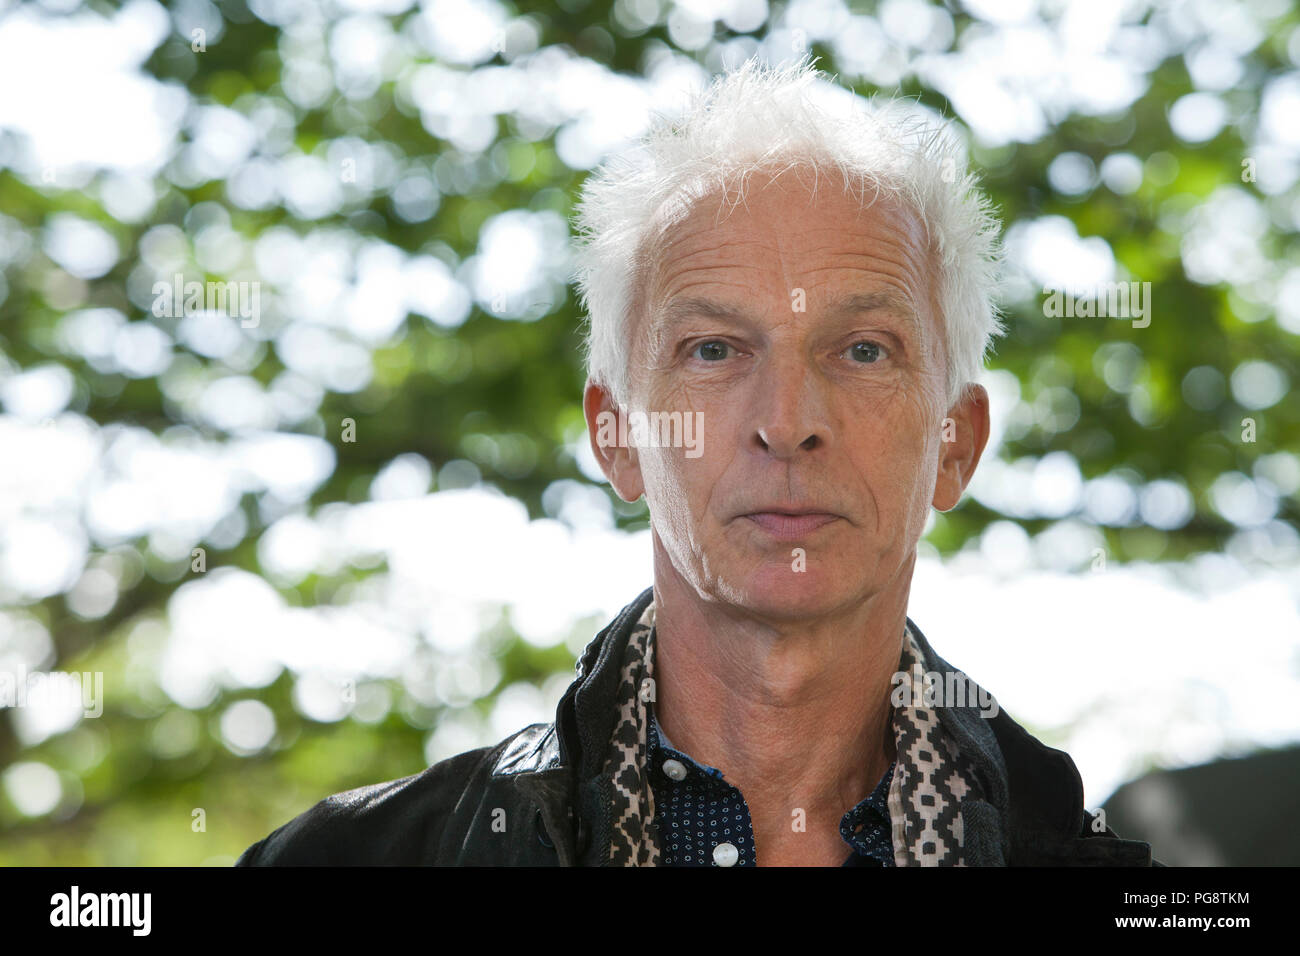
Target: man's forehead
x=681 y=309
x=819 y=229
x=687 y=246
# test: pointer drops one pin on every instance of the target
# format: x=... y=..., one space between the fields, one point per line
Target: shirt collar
x=859 y=826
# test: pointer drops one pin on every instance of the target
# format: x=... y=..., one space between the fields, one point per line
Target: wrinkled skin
x=777 y=636
x=790 y=411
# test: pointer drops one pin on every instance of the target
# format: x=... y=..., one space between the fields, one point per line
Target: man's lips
x=791 y=525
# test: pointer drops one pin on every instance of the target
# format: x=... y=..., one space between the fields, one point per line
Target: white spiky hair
x=773 y=118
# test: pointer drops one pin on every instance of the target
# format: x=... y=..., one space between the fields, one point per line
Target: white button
x=725 y=854
x=675 y=769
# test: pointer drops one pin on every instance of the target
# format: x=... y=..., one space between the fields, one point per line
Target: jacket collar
x=975 y=737
x=1033 y=794
x=585 y=716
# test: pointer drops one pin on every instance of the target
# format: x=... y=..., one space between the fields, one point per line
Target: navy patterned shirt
x=704 y=821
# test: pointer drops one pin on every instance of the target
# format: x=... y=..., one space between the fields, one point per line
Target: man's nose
x=790 y=408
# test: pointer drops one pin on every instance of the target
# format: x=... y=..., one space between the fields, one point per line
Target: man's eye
x=711 y=351
x=866 y=352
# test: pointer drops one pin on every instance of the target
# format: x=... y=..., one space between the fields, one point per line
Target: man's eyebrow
x=679 y=309
x=886 y=300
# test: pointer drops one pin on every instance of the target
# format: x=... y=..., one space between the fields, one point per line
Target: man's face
x=801 y=332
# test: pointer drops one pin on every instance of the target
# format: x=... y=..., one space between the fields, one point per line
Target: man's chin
x=781 y=593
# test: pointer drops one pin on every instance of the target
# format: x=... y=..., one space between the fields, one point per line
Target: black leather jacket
x=538 y=798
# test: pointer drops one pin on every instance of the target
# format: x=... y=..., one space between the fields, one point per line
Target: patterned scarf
x=930 y=780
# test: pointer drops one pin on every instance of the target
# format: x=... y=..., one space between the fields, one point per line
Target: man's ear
x=605 y=425
x=965 y=432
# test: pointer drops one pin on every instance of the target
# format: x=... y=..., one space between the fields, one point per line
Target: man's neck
x=797 y=716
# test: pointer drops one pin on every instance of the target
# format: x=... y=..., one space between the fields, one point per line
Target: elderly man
x=790 y=300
